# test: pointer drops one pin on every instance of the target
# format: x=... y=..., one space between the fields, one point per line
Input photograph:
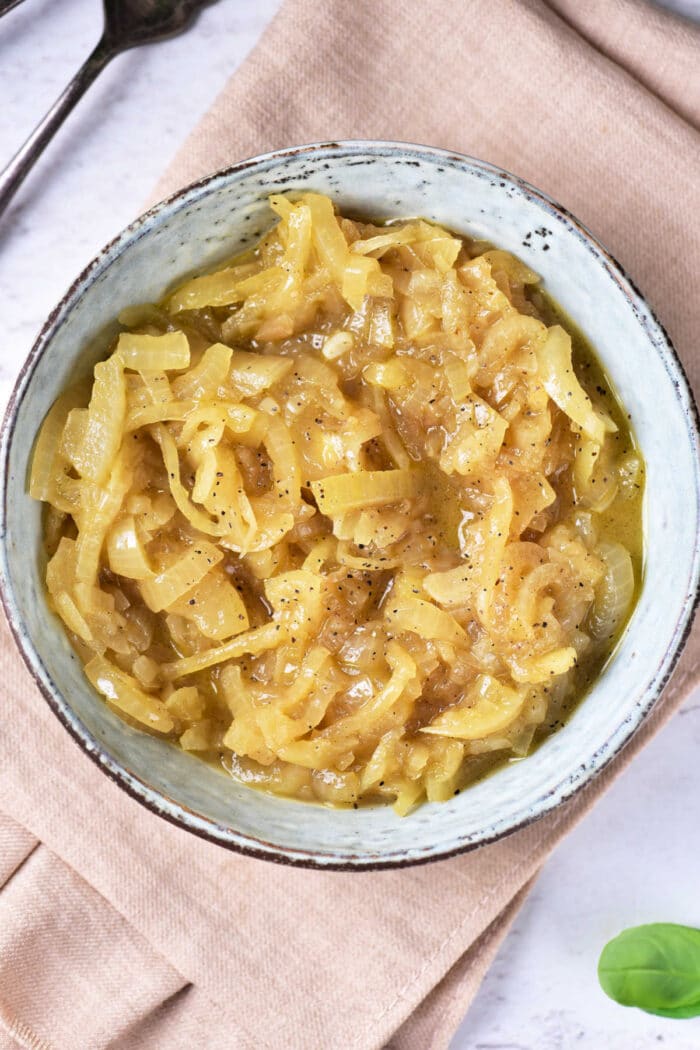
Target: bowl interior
x=222 y=215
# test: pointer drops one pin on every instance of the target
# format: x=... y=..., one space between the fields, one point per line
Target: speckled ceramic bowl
x=210 y=220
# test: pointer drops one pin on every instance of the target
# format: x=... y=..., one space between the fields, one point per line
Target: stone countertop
x=634 y=858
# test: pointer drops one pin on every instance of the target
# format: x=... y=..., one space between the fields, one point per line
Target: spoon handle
x=7 y=5
x=16 y=171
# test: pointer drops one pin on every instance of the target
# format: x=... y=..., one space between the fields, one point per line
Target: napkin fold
x=119 y=930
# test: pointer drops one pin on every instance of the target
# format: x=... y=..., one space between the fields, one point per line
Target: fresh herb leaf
x=654 y=967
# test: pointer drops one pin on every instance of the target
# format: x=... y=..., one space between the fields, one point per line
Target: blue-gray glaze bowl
x=219 y=215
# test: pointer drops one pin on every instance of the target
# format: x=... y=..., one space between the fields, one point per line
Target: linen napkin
x=118 y=930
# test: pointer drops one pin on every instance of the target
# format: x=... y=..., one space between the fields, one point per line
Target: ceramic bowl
x=219 y=215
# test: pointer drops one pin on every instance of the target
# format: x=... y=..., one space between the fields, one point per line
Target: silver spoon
x=7 y=5
x=128 y=23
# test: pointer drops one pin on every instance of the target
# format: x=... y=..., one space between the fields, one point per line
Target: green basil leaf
x=655 y=967
x=679 y=1013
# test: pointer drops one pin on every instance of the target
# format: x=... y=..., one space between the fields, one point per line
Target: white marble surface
x=635 y=858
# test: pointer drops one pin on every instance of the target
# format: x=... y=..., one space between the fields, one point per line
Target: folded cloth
x=119 y=930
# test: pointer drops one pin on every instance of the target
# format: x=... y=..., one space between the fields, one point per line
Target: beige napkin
x=118 y=930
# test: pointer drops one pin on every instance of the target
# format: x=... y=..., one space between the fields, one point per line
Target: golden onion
x=355 y=515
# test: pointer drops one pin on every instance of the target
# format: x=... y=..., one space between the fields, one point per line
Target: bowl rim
x=176 y=812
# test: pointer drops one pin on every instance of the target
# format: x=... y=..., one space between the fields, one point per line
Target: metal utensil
x=127 y=24
x=7 y=5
